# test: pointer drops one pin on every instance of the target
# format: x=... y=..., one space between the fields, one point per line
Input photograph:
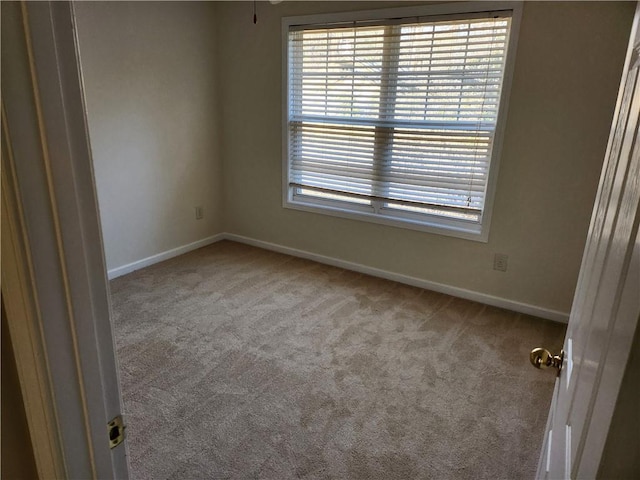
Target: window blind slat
x=463 y=127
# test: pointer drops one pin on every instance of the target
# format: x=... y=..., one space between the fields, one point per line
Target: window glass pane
x=439 y=166
x=473 y=217
x=451 y=72
x=332 y=196
x=332 y=157
x=339 y=71
x=401 y=115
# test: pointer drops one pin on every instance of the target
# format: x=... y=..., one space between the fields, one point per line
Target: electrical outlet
x=500 y=262
x=199 y=213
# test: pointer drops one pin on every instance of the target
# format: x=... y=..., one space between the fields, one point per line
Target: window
x=396 y=120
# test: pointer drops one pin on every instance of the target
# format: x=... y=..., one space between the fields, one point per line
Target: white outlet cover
x=500 y=262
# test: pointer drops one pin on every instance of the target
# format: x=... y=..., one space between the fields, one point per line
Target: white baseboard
x=160 y=257
x=520 y=307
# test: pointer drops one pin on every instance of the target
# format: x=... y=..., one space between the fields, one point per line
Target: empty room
x=321 y=240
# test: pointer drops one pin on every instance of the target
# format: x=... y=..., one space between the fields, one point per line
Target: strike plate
x=115 y=429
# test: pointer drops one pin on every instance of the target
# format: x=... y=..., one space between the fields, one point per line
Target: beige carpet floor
x=239 y=363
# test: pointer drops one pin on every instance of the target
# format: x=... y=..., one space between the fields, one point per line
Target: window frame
x=477 y=231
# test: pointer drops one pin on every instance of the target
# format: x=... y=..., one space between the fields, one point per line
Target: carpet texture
x=239 y=363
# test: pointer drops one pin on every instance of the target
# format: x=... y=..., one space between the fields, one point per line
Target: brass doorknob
x=542 y=358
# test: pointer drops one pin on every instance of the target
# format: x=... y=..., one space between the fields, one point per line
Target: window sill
x=446 y=227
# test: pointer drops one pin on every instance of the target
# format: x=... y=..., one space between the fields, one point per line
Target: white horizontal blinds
x=334 y=81
x=401 y=114
x=449 y=84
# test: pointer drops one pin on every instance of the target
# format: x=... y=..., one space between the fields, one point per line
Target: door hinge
x=115 y=429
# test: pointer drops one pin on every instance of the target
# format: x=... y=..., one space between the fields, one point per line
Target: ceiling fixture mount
x=255 y=15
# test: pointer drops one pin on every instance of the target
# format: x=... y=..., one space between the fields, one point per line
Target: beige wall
x=567 y=73
x=158 y=76
x=150 y=81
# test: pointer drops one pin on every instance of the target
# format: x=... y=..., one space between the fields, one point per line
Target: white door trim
x=24 y=322
x=46 y=128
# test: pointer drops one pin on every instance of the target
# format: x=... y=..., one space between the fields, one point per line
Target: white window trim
x=477 y=232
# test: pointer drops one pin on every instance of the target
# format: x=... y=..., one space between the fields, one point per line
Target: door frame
x=24 y=327
x=54 y=280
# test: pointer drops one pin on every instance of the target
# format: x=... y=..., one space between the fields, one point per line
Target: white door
x=606 y=305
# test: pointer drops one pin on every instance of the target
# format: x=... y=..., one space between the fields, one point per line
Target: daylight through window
x=396 y=119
